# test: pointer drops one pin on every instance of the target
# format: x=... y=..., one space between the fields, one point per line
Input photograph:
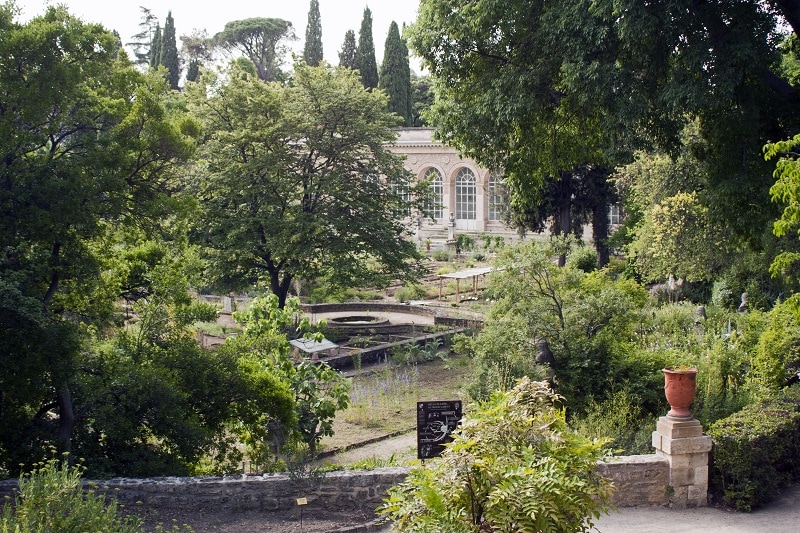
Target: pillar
x=681 y=442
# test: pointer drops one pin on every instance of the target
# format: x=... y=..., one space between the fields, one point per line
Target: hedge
x=757 y=451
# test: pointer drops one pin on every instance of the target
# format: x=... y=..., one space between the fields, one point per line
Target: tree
x=312 y=51
x=365 y=61
x=143 y=40
x=197 y=49
x=87 y=143
x=347 y=56
x=543 y=137
x=585 y=85
x=514 y=465
x=319 y=391
x=421 y=99
x=299 y=182
x=259 y=40
x=585 y=319
x=155 y=47
x=395 y=76
x=169 y=53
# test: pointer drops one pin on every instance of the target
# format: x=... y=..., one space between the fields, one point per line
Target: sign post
x=435 y=422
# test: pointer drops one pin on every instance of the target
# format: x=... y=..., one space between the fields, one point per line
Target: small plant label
x=435 y=422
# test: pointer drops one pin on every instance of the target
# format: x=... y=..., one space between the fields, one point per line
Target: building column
x=682 y=443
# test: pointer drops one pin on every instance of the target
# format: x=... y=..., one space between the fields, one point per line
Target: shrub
x=513 y=465
x=51 y=498
x=621 y=420
x=441 y=255
x=410 y=291
x=756 y=452
x=777 y=356
x=582 y=258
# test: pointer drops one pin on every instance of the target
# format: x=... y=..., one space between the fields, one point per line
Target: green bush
x=777 y=354
x=583 y=258
x=756 y=452
x=410 y=291
x=441 y=255
x=513 y=465
x=51 y=498
x=621 y=420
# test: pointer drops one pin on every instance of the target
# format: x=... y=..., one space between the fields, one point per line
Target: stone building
x=472 y=199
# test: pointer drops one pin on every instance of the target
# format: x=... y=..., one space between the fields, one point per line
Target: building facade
x=471 y=199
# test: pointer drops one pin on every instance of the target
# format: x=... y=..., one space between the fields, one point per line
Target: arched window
x=497 y=197
x=434 y=207
x=465 y=195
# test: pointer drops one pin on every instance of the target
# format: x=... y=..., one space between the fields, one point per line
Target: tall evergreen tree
x=155 y=47
x=347 y=56
x=142 y=41
x=395 y=76
x=169 y=52
x=312 y=53
x=365 y=53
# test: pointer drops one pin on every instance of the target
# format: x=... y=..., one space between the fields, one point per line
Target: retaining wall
x=640 y=480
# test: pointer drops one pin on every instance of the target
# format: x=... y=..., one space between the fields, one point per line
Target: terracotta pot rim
x=673 y=370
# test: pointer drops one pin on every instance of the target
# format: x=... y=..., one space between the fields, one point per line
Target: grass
x=384 y=398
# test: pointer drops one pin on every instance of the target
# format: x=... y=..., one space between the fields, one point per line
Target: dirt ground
x=205 y=520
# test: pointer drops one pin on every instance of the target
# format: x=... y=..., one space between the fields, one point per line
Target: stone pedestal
x=682 y=443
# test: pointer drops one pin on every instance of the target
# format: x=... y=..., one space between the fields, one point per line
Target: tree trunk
x=563 y=215
x=66 y=421
x=600 y=233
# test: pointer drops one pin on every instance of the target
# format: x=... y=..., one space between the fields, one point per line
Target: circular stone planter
x=357 y=321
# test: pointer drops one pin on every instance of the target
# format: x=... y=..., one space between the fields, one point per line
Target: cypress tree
x=365 y=53
x=395 y=76
x=312 y=52
x=169 y=52
x=347 y=57
x=155 y=48
x=193 y=70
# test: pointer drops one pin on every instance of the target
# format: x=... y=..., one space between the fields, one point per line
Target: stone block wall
x=640 y=480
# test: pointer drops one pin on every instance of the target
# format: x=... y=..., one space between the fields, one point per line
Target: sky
x=337 y=16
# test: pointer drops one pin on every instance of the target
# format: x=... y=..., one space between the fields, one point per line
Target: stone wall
x=640 y=480
x=271 y=492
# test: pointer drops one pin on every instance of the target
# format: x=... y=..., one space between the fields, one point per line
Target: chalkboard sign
x=435 y=422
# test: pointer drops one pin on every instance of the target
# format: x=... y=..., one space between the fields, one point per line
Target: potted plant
x=427 y=245
x=680 y=383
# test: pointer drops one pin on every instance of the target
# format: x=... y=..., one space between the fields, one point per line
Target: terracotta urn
x=679 y=388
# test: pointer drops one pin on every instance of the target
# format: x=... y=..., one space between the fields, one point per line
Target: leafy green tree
x=514 y=465
x=309 y=162
x=585 y=319
x=585 y=85
x=364 y=61
x=168 y=57
x=784 y=191
x=87 y=143
x=312 y=51
x=347 y=55
x=421 y=99
x=395 y=77
x=259 y=39
x=319 y=391
x=678 y=238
